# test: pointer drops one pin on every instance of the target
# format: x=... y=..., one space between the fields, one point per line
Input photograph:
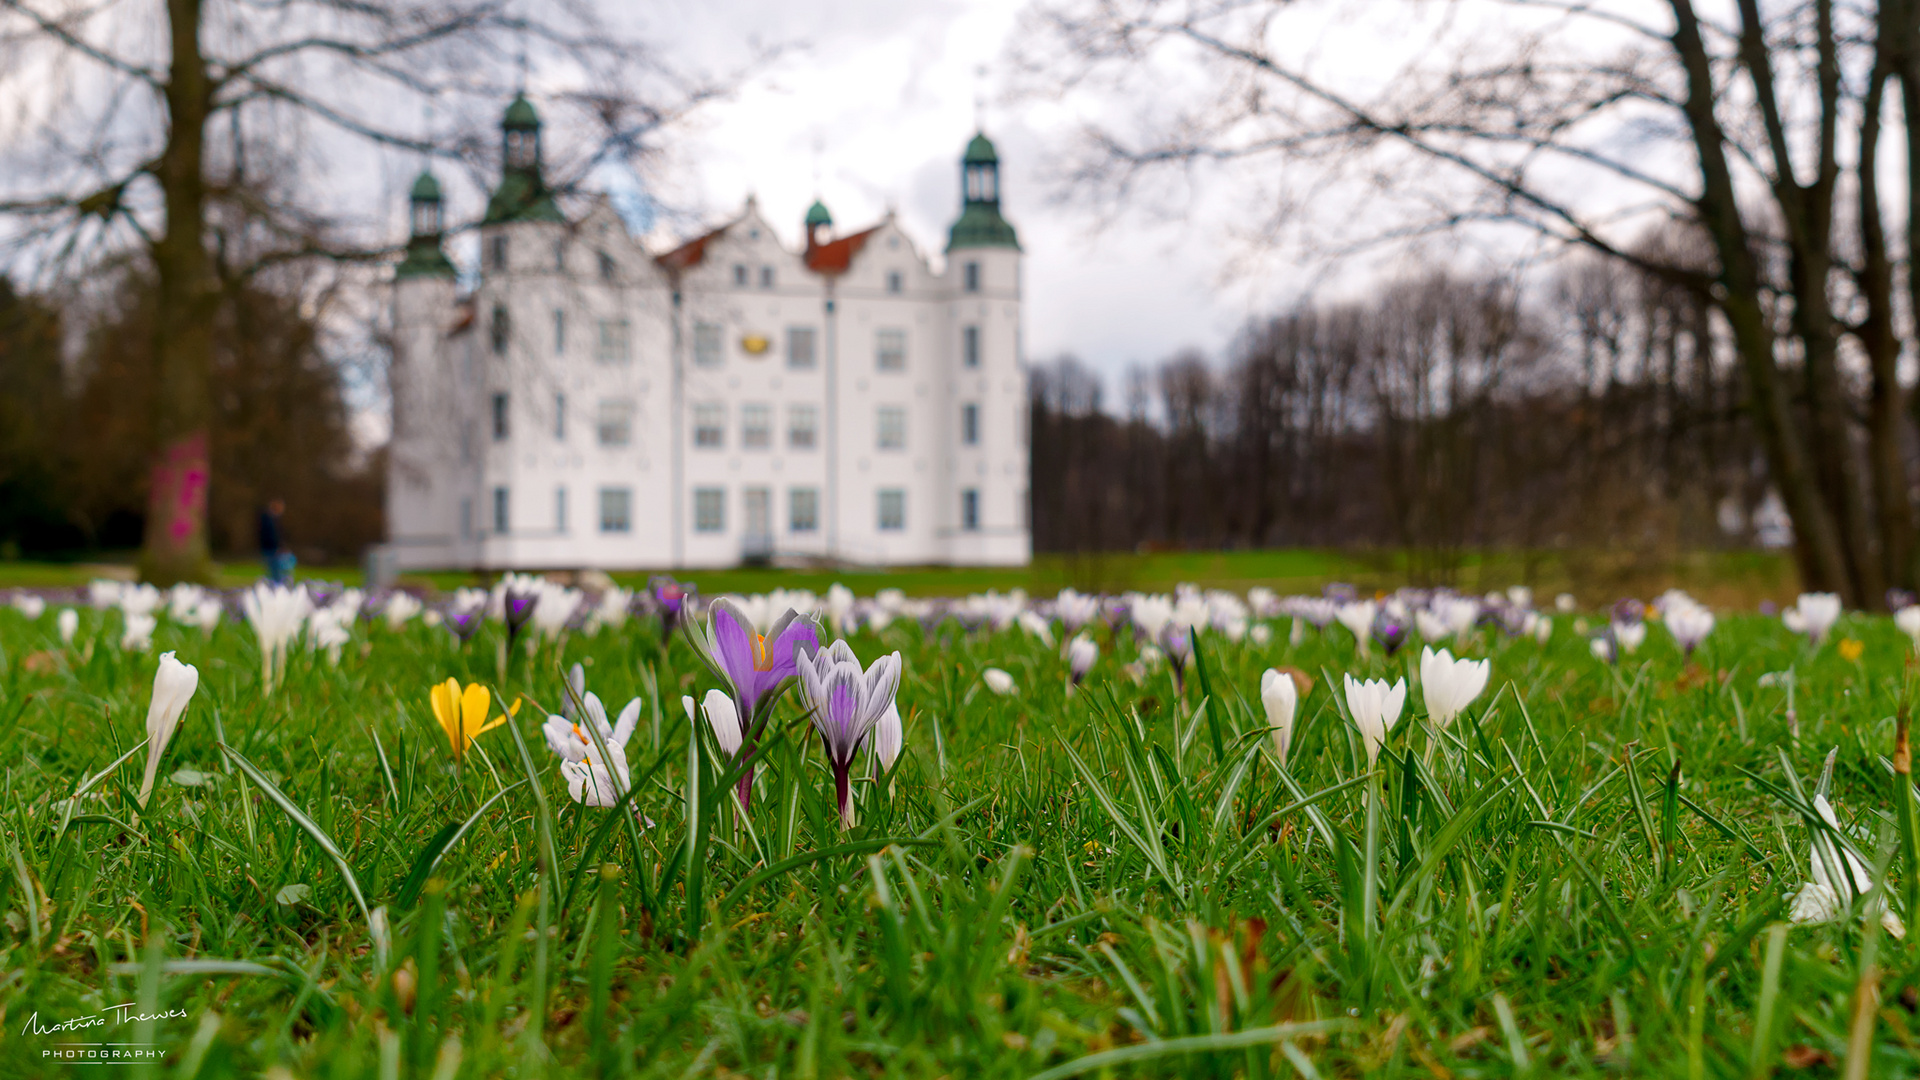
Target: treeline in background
x=76 y=414
x=1591 y=412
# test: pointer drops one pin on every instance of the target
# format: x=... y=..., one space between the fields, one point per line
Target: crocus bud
x=68 y=622
x=1281 y=698
x=1081 y=656
x=1375 y=707
x=998 y=681
x=173 y=687
x=888 y=736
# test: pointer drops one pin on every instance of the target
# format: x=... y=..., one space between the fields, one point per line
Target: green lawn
x=1588 y=874
x=1728 y=578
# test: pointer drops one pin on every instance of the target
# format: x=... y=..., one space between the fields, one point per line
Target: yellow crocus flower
x=463 y=714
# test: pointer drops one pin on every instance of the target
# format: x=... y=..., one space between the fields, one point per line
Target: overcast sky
x=870 y=107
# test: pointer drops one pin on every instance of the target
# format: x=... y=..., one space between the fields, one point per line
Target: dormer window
x=740 y=275
x=523 y=149
x=983 y=182
x=426 y=217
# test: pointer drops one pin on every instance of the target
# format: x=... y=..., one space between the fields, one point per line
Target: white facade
x=594 y=405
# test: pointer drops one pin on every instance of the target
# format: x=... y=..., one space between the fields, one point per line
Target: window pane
x=800 y=347
x=710 y=426
x=972 y=273
x=615 y=422
x=970 y=346
x=560 y=417
x=803 y=509
x=970 y=508
x=616 y=509
x=892 y=428
x=756 y=427
x=893 y=509
x=709 y=510
x=803 y=425
x=706 y=344
x=502 y=521
x=560 y=509
x=970 y=424
x=499 y=417
x=559 y=332
x=615 y=345
x=890 y=350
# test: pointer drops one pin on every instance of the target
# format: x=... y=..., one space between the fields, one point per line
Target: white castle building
x=592 y=404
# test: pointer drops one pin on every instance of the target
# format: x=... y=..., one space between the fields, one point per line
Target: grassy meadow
x=1589 y=873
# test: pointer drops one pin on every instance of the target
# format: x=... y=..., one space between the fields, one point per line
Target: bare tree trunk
x=1817 y=539
x=176 y=528
x=1878 y=337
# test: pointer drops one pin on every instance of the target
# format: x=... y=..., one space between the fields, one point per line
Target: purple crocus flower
x=465 y=621
x=671 y=597
x=845 y=702
x=1900 y=598
x=756 y=667
x=518 y=605
x=1390 y=631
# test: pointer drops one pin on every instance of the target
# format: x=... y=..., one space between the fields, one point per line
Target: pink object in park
x=179 y=492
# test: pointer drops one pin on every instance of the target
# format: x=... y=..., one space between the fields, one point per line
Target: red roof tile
x=835 y=256
x=690 y=253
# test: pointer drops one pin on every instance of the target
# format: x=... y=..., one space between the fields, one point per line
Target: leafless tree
x=148 y=122
x=1578 y=125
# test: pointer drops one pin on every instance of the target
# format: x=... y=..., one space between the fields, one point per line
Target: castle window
x=607 y=267
x=500 y=330
x=560 y=509
x=500 y=416
x=892 y=509
x=970 y=346
x=970 y=509
x=890 y=350
x=706 y=344
x=971 y=272
x=615 y=345
x=803 y=427
x=970 y=424
x=740 y=275
x=560 y=417
x=756 y=427
x=502 y=522
x=499 y=253
x=890 y=427
x=560 y=256
x=709 y=510
x=800 y=347
x=614 y=425
x=766 y=277
x=616 y=510
x=803 y=509
x=559 y=332
x=710 y=426
x=894 y=281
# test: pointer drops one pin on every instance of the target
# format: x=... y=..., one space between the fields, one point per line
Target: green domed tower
x=424 y=256
x=980 y=224
x=522 y=194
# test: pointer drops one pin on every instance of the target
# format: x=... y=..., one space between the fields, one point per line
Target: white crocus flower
x=998 y=681
x=1449 y=685
x=276 y=614
x=173 y=686
x=1282 y=699
x=1689 y=623
x=1821 y=899
x=590 y=781
x=29 y=605
x=68 y=623
x=1432 y=627
x=1037 y=626
x=1629 y=636
x=1813 y=615
x=1082 y=654
x=401 y=607
x=1908 y=620
x=888 y=736
x=722 y=716
x=138 y=635
x=1357 y=617
x=1375 y=708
